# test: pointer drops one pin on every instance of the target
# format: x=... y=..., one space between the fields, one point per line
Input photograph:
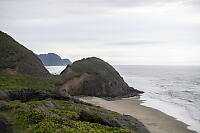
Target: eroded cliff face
x=15 y=58
x=94 y=77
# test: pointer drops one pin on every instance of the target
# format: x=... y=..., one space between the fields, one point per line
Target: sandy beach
x=154 y=120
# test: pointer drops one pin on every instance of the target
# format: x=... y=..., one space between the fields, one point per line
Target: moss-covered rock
x=94 y=77
x=15 y=58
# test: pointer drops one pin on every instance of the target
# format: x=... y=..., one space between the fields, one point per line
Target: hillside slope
x=16 y=58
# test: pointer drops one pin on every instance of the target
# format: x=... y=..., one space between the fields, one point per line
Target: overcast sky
x=137 y=32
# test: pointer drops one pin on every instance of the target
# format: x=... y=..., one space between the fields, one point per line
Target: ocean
x=174 y=90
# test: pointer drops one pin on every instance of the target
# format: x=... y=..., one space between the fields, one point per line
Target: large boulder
x=94 y=77
x=15 y=58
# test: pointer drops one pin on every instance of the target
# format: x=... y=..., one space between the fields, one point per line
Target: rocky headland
x=95 y=77
x=52 y=59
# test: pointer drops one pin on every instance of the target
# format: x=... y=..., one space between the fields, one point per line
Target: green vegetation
x=17 y=82
x=53 y=116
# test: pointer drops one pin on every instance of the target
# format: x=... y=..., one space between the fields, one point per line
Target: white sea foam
x=55 y=69
x=174 y=90
x=175 y=110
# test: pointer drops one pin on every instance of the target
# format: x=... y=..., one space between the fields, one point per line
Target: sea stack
x=94 y=77
x=15 y=58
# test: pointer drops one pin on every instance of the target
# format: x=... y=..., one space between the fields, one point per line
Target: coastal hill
x=34 y=103
x=15 y=58
x=94 y=77
x=52 y=59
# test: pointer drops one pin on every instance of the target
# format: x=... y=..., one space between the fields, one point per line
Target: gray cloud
x=52 y=8
x=88 y=27
x=136 y=42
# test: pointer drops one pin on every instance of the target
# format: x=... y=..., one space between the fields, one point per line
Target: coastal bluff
x=94 y=77
x=15 y=58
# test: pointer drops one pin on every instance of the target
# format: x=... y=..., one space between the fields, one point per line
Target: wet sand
x=154 y=120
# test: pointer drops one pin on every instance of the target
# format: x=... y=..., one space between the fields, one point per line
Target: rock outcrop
x=3 y=95
x=94 y=77
x=5 y=124
x=15 y=58
x=52 y=59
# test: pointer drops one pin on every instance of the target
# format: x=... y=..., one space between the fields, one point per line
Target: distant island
x=52 y=59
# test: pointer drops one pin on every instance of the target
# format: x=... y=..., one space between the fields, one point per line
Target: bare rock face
x=94 y=77
x=15 y=58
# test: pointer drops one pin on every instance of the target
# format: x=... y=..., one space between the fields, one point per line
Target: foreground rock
x=26 y=95
x=29 y=94
x=15 y=58
x=5 y=125
x=95 y=77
